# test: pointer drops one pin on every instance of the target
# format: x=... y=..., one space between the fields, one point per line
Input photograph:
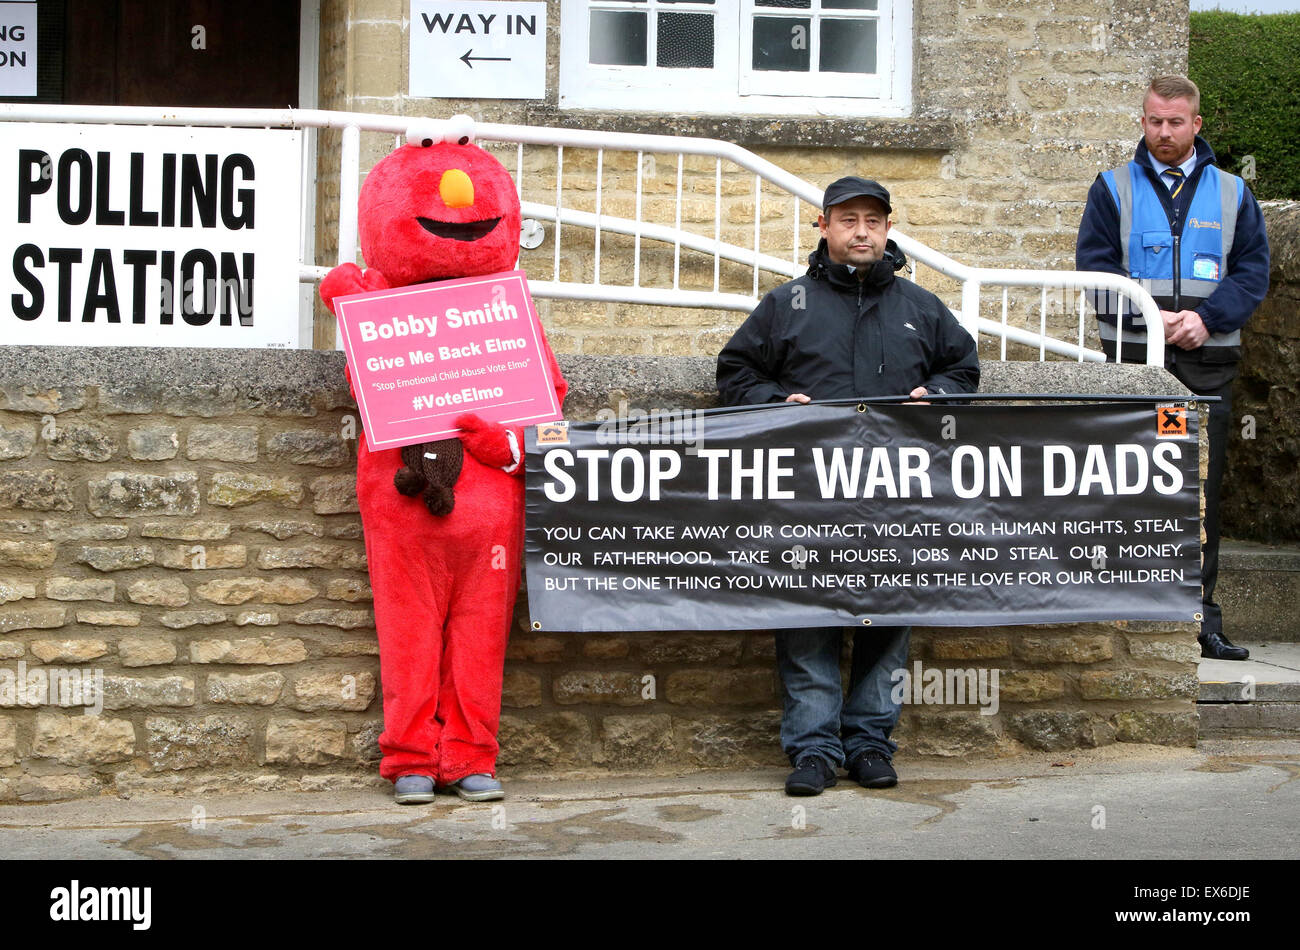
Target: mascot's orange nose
x=456 y=189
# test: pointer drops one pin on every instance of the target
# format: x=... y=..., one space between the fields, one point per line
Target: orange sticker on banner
x=1171 y=422
x=553 y=433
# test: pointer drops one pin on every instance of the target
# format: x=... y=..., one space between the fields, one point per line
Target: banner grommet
x=866 y=621
x=1198 y=616
x=537 y=625
x=862 y=407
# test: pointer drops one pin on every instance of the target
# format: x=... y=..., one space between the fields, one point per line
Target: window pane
x=848 y=46
x=685 y=40
x=848 y=4
x=802 y=4
x=781 y=43
x=618 y=39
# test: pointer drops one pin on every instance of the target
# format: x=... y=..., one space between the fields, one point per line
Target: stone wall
x=1017 y=106
x=183 y=523
x=1261 y=489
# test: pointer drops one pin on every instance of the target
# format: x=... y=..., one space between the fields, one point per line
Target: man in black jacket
x=848 y=328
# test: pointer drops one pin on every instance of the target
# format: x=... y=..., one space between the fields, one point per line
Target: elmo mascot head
x=439 y=207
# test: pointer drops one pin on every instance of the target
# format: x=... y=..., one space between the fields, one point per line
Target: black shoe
x=810 y=776
x=1216 y=646
x=872 y=769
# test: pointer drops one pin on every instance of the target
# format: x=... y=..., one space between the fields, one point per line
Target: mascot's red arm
x=491 y=443
x=350 y=279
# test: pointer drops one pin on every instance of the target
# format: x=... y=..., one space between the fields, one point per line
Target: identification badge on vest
x=1205 y=268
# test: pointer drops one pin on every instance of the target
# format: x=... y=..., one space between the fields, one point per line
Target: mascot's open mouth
x=469 y=231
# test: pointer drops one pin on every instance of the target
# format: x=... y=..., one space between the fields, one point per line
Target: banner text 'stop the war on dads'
x=422 y=355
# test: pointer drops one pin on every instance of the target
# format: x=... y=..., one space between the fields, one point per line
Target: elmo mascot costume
x=443 y=527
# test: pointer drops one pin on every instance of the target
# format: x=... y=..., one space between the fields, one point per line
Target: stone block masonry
x=1262 y=481
x=181 y=524
x=205 y=560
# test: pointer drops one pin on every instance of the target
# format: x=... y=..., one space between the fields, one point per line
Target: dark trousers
x=1220 y=418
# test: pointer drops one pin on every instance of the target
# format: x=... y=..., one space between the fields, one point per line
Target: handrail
x=351 y=124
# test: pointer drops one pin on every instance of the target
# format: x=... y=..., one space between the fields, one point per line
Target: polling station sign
x=420 y=356
x=149 y=236
x=17 y=49
x=828 y=515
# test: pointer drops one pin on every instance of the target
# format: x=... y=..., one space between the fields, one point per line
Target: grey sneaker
x=480 y=787
x=413 y=790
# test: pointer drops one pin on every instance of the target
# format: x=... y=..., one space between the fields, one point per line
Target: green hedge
x=1248 y=68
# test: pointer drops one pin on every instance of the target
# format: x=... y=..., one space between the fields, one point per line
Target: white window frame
x=732 y=86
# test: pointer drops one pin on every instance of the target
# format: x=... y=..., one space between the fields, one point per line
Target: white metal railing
x=972 y=280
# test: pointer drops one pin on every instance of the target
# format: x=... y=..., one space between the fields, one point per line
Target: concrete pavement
x=1254 y=698
x=1273 y=672
x=1227 y=798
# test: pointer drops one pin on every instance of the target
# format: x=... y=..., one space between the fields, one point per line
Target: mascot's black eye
x=464 y=140
x=426 y=142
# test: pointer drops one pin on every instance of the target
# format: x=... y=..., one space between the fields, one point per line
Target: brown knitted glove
x=434 y=476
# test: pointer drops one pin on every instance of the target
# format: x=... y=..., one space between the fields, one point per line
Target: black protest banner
x=822 y=515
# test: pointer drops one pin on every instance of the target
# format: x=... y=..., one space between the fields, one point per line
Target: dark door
x=238 y=53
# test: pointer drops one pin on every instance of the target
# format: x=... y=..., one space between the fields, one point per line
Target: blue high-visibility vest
x=1178 y=270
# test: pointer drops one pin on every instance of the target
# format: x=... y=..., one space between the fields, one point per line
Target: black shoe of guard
x=1215 y=646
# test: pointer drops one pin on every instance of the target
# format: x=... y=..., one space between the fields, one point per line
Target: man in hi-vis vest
x=1194 y=237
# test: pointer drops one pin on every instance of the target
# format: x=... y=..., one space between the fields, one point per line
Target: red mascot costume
x=444 y=566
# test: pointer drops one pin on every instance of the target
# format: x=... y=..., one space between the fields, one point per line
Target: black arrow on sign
x=466 y=58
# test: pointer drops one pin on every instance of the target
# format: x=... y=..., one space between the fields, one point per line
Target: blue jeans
x=817 y=718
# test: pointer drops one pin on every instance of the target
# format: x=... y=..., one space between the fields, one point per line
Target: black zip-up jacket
x=831 y=336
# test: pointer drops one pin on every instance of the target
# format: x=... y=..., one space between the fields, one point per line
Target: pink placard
x=422 y=355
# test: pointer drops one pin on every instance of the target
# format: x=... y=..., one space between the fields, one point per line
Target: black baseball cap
x=855 y=187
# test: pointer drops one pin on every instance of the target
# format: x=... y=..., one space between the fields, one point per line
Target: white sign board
x=149 y=236
x=478 y=50
x=17 y=49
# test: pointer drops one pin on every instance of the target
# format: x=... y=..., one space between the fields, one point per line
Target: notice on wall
x=421 y=356
x=819 y=515
x=149 y=236
x=478 y=50
x=17 y=49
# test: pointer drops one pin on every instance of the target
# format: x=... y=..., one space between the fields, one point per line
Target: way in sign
x=516 y=24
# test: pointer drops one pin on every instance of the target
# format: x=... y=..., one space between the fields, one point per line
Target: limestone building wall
x=183 y=524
